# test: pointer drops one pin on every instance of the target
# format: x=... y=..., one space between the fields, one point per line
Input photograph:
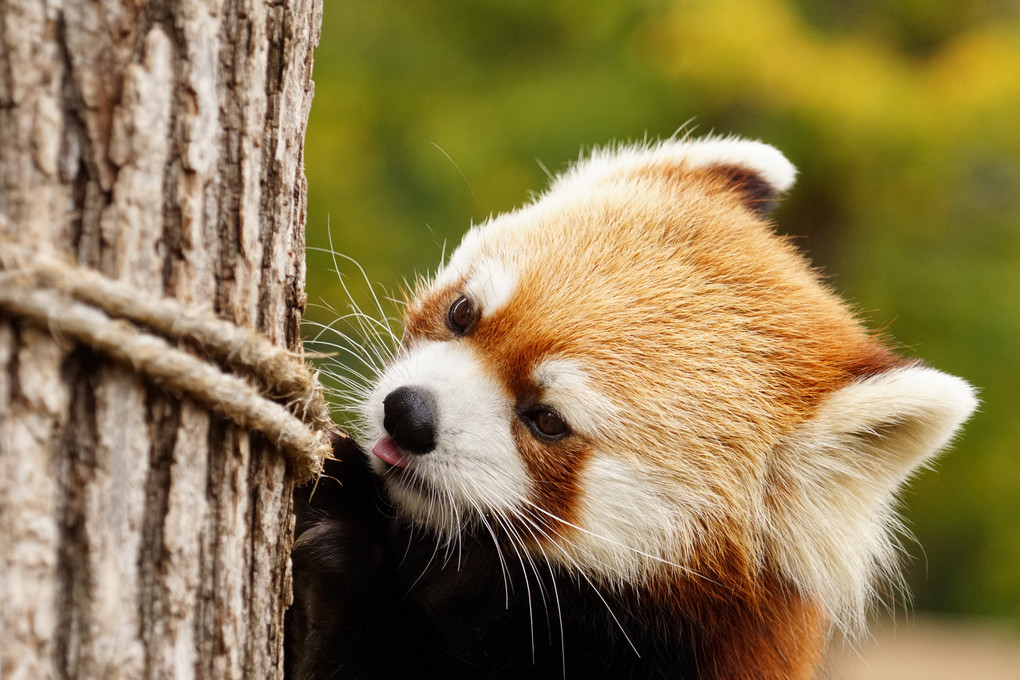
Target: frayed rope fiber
x=75 y=302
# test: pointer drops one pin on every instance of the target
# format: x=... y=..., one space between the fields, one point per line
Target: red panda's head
x=636 y=378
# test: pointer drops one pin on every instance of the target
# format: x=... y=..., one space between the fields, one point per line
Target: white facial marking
x=459 y=264
x=491 y=285
x=487 y=281
x=569 y=390
x=629 y=528
x=475 y=465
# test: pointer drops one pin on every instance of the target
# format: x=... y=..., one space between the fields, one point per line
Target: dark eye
x=546 y=423
x=462 y=316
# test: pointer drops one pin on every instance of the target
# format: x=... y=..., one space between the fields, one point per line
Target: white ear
x=895 y=421
x=757 y=171
x=765 y=161
x=832 y=503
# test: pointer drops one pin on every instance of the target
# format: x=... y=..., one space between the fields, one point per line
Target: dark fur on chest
x=375 y=598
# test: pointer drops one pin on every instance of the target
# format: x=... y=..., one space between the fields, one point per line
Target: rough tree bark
x=161 y=143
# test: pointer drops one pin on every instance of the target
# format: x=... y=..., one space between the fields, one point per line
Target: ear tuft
x=900 y=418
x=752 y=158
x=832 y=504
x=757 y=172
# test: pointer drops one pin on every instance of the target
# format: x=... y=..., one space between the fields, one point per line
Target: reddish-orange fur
x=718 y=347
x=748 y=617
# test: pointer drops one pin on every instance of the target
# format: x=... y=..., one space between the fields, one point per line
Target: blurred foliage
x=903 y=118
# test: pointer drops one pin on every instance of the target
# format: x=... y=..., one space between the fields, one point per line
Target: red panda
x=627 y=432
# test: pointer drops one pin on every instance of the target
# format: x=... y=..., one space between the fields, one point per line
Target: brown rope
x=72 y=301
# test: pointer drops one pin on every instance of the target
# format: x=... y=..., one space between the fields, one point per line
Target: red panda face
x=635 y=376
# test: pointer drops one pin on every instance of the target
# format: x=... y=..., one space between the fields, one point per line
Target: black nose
x=409 y=420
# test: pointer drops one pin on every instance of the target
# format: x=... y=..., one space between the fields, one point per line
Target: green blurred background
x=903 y=118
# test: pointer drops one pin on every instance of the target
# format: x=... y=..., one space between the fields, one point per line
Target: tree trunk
x=160 y=143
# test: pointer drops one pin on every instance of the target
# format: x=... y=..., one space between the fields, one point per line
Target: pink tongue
x=386 y=449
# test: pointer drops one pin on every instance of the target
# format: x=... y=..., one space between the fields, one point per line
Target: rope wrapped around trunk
x=274 y=391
